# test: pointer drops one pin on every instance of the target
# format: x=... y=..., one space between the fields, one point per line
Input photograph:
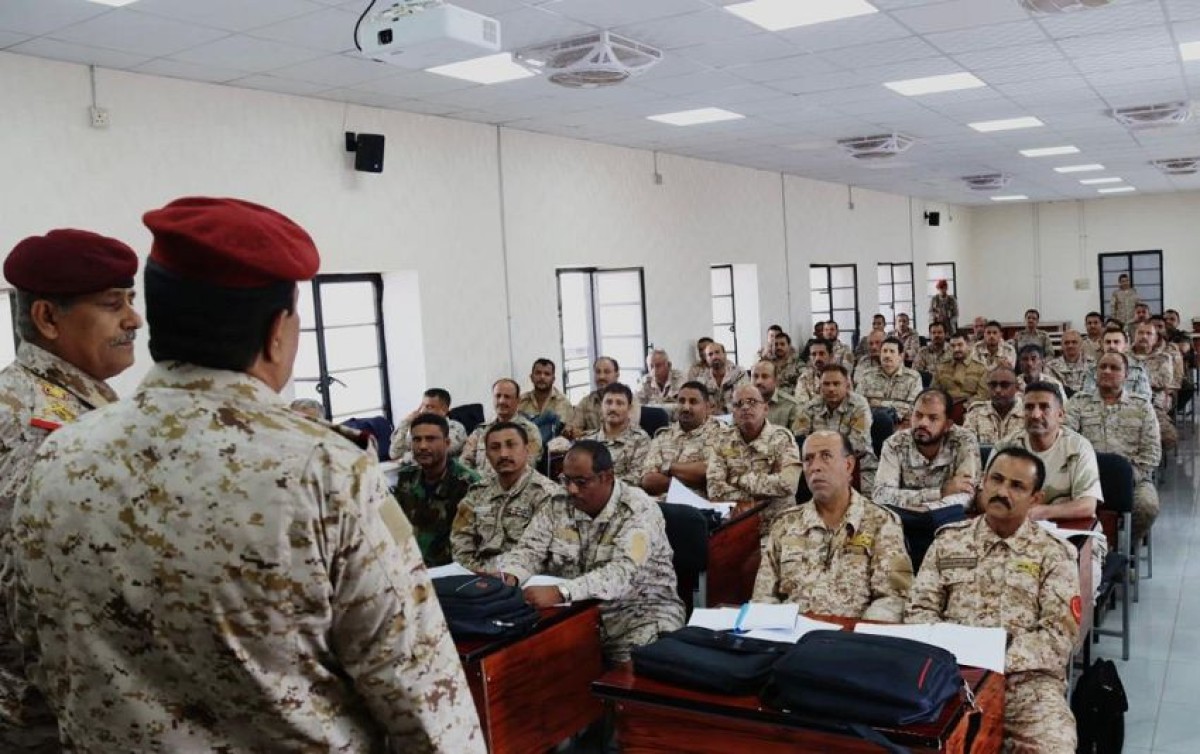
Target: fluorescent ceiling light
x=949 y=82
x=1095 y=181
x=112 y=3
x=774 y=15
x=1049 y=151
x=1117 y=190
x=1008 y=124
x=489 y=69
x=695 y=117
x=1009 y=198
x=1079 y=168
x=1190 y=50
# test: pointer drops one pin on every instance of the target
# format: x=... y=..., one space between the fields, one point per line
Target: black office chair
x=882 y=427
x=470 y=415
x=378 y=427
x=654 y=419
x=926 y=379
x=985 y=453
x=687 y=532
x=1116 y=516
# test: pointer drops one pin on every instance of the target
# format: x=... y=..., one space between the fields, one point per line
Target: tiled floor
x=1162 y=674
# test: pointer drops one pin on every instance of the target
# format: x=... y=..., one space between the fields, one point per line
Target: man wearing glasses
x=993 y=420
x=754 y=460
x=609 y=541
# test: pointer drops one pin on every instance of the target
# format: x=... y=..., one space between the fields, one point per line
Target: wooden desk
x=659 y=718
x=534 y=691
x=732 y=564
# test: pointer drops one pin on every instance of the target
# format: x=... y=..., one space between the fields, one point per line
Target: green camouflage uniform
x=430 y=512
x=964 y=380
x=401 y=443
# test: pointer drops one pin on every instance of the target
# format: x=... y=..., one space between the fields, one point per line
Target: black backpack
x=1099 y=704
x=483 y=606
x=700 y=658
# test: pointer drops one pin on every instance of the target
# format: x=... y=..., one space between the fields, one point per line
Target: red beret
x=69 y=262
x=230 y=243
x=941 y=283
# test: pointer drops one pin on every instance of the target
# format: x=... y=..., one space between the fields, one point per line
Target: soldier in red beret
x=240 y=589
x=76 y=323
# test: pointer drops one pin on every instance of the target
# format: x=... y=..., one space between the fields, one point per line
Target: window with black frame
x=1145 y=272
x=896 y=292
x=601 y=313
x=342 y=360
x=834 y=295
x=724 y=310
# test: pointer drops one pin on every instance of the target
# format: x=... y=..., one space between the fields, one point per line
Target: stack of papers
x=1068 y=534
x=679 y=493
x=970 y=645
x=782 y=623
x=450 y=569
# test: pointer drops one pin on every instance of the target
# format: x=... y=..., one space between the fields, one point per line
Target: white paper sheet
x=543 y=580
x=450 y=569
x=752 y=616
x=715 y=618
x=791 y=636
x=1068 y=534
x=679 y=493
x=970 y=645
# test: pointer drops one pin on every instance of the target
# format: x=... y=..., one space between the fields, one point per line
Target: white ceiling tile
x=176 y=70
x=531 y=26
x=875 y=27
x=246 y=53
x=739 y=51
x=276 y=84
x=36 y=17
x=491 y=8
x=613 y=13
x=70 y=52
x=414 y=84
x=1182 y=10
x=986 y=37
x=137 y=33
x=331 y=30
x=230 y=15
x=691 y=83
x=1001 y=57
x=337 y=71
x=689 y=29
x=359 y=97
x=959 y=14
x=881 y=53
x=1134 y=40
x=422 y=107
x=9 y=38
x=1118 y=17
x=825 y=82
x=1031 y=72
x=1126 y=59
x=789 y=68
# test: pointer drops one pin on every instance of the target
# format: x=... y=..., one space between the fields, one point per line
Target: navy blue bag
x=483 y=606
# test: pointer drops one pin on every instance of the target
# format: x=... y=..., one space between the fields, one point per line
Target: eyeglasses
x=1000 y=383
x=580 y=482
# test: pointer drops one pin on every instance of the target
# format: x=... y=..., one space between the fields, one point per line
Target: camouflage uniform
x=930 y=357
x=1071 y=374
x=897 y=391
x=401 y=443
x=1128 y=428
x=851 y=419
x=1093 y=349
x=1022 y=383
x=842 y=355
x=808 y=385
x=858 y=569
x=474 y=454
x=672 y=444
x=910 y=342
x=862 y=365
x=944 y=309
x=1160 y=369
x=621 y=557
x=431 y=510
x=787 y=372
x=1124 y=302
x=1027 y=584
x=37 y=392
x=649 y=393
x=766 y=468
x=628 y=451
x=907 y=480
x=722 y=395
x=985 y=422
x=588 y=416
x=556 y=403
x=1137 y=382
x=1004 y=351
x=782 y=409
x=1037 y=338
x=239 y=589
x=696 y=371
x=491 y=519
x=964 y=380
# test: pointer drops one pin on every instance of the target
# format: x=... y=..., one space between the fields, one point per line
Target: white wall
x=479 y=217
x=1031 y=254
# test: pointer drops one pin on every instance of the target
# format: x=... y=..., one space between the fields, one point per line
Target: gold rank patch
x=1028 y=566
x=861 y=540
x=962 y=562
x=53 y=391
x=61 y=410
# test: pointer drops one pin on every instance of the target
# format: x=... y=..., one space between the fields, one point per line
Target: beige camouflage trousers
x=1037 y=719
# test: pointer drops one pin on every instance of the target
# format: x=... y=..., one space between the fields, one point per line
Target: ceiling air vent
x=879 y=147
x=593 y=60
x=1061 y=6
x=987 y=182
x=1153 y=116
x=1178 y=165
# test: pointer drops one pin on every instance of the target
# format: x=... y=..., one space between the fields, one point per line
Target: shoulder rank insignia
x=1028 y=566
x=860 y=540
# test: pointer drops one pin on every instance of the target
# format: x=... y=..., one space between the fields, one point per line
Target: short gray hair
x=657 y=352
x=23 y=319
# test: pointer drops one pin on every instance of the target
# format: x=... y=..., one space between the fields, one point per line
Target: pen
x=737 y=624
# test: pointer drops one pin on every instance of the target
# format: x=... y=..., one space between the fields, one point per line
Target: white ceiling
x=799 y=89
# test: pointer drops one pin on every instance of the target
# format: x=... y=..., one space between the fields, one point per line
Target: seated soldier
x=768 y=349
x=892 y=386
x=1002 y=570
x=978 y=328
x=781 y=407
x=1031 y=360
x=869 y=357
x=430 y=488
x=722 y=378
x=544 y=404
x=992 y=421
x=1164 y=380
x=754 y=460
x=627 y=443
x=1031 y=335
x=494 y=513
x=1137 y=382
x=310 y=407
x=505 y=394
x=1115 y=421
x=787 y=363
x=930 y=356
x=839 y=410
x=927 y=474
x=839 y=553
x=839 y=352
x=1093 y=344
x=909 y=342
x=994 y=349
x=660 y=384
x=879 y=325
x=609 y=540
x=680 y=451
x=696 y=370
x=963 y=378
x=1072 y=367
x=588 y=415
x=808 y=381
x=435 y=401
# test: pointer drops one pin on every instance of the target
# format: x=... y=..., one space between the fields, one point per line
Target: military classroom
x=470 y=376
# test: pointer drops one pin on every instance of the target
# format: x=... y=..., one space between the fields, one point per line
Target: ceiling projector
x=425 y=33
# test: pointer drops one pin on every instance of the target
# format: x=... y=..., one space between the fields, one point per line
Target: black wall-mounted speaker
x=368 y=151
x=934 y=219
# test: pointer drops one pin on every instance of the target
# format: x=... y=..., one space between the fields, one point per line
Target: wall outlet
x=99 y=117
x=1082 y=284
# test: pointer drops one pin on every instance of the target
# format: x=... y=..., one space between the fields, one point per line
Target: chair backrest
x=379 y=427
x=985 y=452
x=470 y=415
x=1116 y=481
x=654 y=419
x=926 y=379
x=882 y=427
x=687 y=531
